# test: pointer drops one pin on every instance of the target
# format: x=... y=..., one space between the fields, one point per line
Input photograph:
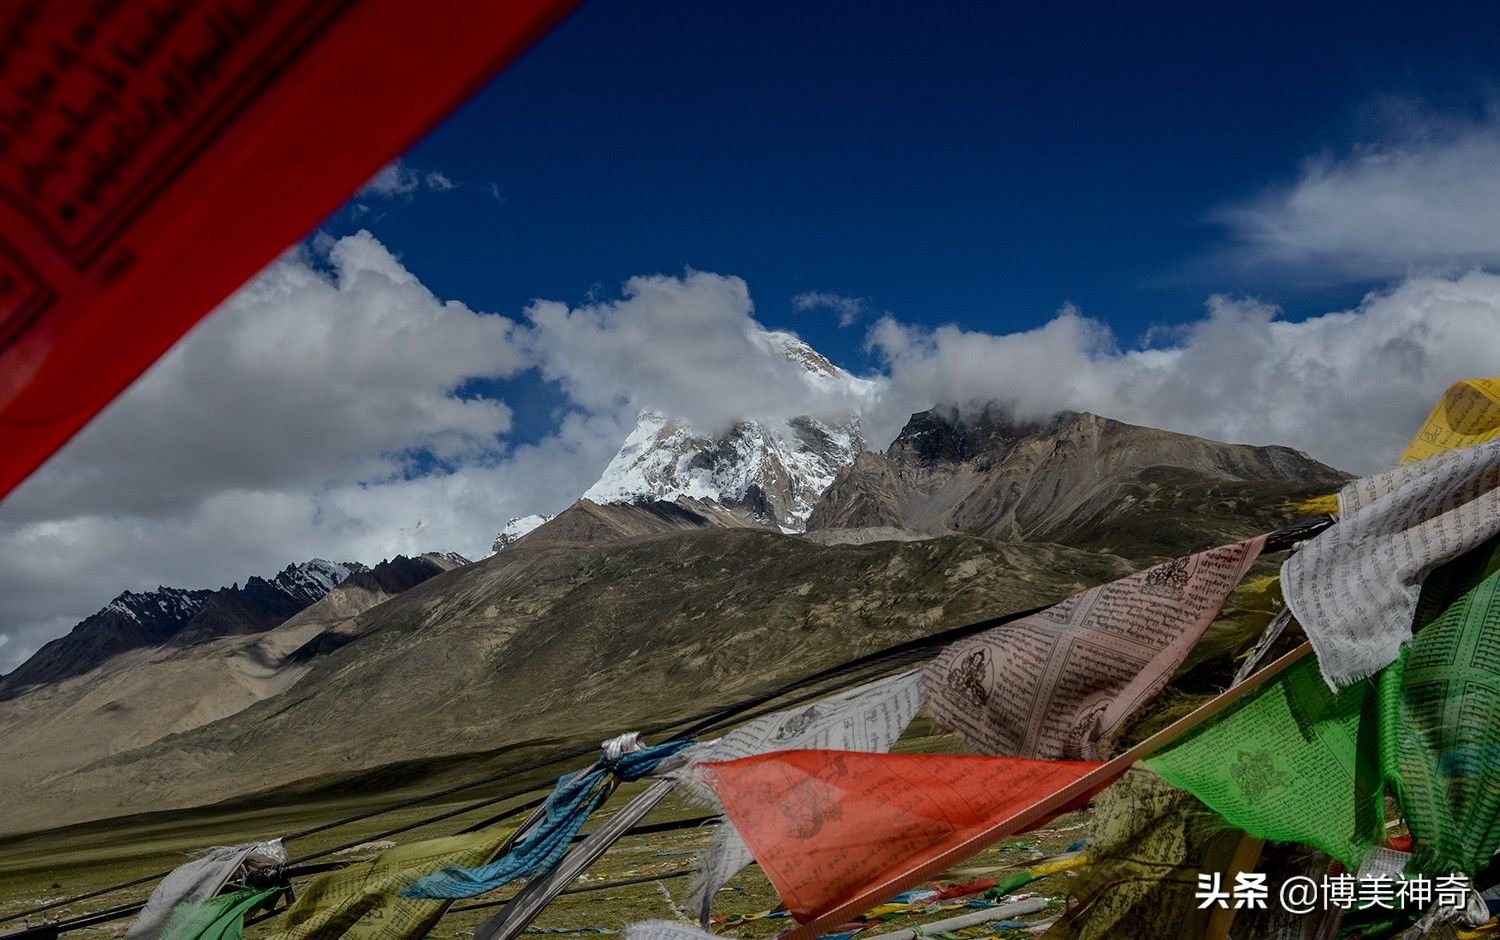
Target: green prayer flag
x=1440 y=718
x=218 y=918
x=1294 y=762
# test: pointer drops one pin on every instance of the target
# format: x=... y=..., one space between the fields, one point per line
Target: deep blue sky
x=972 y=163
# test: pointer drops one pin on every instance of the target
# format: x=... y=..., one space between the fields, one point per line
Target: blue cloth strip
x=576 y=796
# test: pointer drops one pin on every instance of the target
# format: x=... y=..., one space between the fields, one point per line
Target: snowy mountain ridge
x=516 y=528
x=773 y=470
x=310 y=580
x=175 y=604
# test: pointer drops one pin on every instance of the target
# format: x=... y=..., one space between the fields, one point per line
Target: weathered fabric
x=567 y=808
x=1060 y=683
x=1440 y=719
x=201 y=879
x=220 y=918
x=1467 y=414
x=1148 y=841
x=664 y=930
x=829 y=827
x=871 y=718
x=541 y=891
x=1294 y=762
x=1354 y=588
x=1383 y=862
x=361 y=901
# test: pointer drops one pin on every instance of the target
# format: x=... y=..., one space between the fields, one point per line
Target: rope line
x=837 y=677
x=707 y=720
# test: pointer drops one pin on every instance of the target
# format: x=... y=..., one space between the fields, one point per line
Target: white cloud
x=1347 y=387
x=1421 y=199
x=394 y=179
x=400 y=180
x=302 y=377
x=297 y=420
x=849 y=309
x=285 y=426
x=685 y=346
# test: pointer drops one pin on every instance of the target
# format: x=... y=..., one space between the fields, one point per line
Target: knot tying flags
x=617 y=747
x=575 y=797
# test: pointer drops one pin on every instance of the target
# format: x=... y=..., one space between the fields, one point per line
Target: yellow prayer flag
x=360 y=902
x=1467 y=414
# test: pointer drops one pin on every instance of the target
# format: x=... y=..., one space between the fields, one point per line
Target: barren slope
x=143 y=694
x=1078 y=479
x=568 y=640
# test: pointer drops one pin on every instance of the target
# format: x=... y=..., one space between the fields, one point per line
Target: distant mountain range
x=174 y=615
x=153 y=664
x=699 y=568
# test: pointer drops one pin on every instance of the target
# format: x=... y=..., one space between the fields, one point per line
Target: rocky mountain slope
x=146 y=692
x=772 y=471
x=172 y=615
x=673 y=586
x=588 y=521
x=1076 y=479
x=554 y=639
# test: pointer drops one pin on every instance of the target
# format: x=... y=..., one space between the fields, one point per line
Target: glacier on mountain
x=517 y=527
x=775 y=470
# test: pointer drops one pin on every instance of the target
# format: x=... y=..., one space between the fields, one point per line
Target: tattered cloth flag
x=1467 y=414
x=201 y=879
x=527 y=903
x=1440 y=719
x=220 y=918
x=132 y=129
x=1293 y=763
x=1058 y=684
x=1147 y=840
x=871 y=717
x=664 y=930
x=826 y=826
x=360 y=901
x=1354 y=588
x=567 y=808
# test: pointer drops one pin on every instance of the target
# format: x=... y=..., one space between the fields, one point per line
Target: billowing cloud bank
x=322 y=411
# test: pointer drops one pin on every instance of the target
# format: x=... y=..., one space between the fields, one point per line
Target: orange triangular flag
x=828 y=825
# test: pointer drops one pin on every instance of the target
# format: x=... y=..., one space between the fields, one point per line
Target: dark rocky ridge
x=1075 y=479
x=129 y=621
x=138 y=696
x=363 y=590
x=178 y=617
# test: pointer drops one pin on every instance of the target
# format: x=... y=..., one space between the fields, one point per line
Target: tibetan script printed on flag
x=154 y=154
x=1059 y=683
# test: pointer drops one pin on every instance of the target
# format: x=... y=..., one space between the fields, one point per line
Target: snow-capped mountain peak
x=164 y=603
x=310 y=580
x=774 y=470
x=517 y=527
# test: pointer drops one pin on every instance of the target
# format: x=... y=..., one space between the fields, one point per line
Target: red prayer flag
x=828 y=826
x=155 y=155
